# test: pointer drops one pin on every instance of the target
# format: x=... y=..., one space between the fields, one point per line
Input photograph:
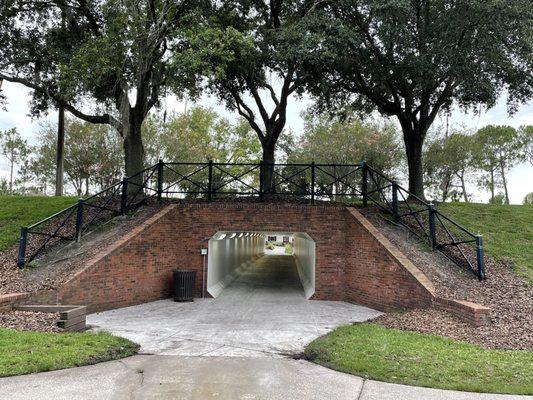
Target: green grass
x=28 y=352
x=288 y=248
x=17 y=211
x=507 y=230
x=390 y=355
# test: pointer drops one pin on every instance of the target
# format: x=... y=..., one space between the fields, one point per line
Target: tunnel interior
x=261 y=259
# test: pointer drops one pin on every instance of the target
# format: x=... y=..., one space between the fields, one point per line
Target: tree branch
x=95 y=119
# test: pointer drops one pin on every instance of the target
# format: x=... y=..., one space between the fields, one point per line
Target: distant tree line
x=455 y=162
x=456 y=166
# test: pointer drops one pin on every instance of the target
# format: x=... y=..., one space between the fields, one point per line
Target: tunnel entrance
x=260 y=259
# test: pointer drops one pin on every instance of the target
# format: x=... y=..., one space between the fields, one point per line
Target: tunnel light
x=232 y=236
x=222 y=236
x=241 y=234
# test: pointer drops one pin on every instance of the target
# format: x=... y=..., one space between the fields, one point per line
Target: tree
x=346 y=141
x=112 y=53
x=448 y=162
x=92 y=156
x=498 y=148
x=14 y=149
x=498 y=199
x=528 y=199
x=4 y=187
x=525 y=134
x=200 y=134
x=412 y=59
x=252 y=53
x=349 y=141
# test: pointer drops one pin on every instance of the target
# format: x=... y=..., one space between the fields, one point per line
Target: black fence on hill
x=356 y=184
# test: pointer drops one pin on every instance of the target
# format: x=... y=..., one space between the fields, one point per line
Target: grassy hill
x=507 y=230
x=17 y=211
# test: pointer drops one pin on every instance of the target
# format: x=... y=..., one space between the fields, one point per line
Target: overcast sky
x=520 y=177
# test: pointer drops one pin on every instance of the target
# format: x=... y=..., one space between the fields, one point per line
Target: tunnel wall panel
x=228 y=257
x=304 y=254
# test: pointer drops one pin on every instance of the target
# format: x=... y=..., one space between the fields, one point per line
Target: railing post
x=432 y=232
x=124 y=197
x=261 y=175
x=210 y=183
x=480 y=258
x=160 y=169
x=79 y=220
x=22 y=247
x=364 y=183
x=395 y=201
x=313 y=165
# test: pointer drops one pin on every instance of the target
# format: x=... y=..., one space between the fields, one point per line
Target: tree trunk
x=463 y=186
x=446 y=188
x=60 y=151
x=133 y=152
x=413 y=148
x=86 y=186
x=268 y=169
x=11 y=175
x=504 y=181
x=492 y=185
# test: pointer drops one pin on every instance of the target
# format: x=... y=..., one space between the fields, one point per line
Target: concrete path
x=262 y=314
x=221 y=378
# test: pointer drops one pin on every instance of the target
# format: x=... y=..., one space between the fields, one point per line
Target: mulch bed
x=30 y=321
x=509 y=296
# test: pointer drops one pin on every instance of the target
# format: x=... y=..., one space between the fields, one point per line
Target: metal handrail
x=371 y=183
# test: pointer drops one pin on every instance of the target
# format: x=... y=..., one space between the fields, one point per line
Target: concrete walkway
x=232 y=347
x=264 y=313
x=221 y=378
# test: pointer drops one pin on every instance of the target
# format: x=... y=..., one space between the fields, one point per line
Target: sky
x=520 y=177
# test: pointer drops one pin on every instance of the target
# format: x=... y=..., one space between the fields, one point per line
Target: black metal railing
x=348 y=183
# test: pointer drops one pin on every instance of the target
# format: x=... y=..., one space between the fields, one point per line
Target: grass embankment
x=17 y=211
x=390 y=355
x=28 y=352
x=507 y=230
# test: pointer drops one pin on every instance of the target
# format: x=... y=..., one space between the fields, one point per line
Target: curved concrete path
x=232 y=347
x=221 y=378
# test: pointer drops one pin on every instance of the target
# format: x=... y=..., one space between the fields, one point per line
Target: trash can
x=183 y=284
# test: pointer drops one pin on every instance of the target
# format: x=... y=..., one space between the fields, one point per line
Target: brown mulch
x=509 y=297
x=30 y=321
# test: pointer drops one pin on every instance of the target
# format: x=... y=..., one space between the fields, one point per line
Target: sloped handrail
x=349 y=183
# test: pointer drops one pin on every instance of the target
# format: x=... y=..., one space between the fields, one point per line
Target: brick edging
x=9 y=300
x=472 y=313
x=467 y=311
x=394 y=252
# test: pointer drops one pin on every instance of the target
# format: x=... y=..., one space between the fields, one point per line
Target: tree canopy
x=412 y=59
x=251 y=55
x=106 y=62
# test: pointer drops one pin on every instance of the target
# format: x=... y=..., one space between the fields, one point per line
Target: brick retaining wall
x=354 y=261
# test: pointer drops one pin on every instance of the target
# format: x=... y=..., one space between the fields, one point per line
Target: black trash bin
x=183 y=284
